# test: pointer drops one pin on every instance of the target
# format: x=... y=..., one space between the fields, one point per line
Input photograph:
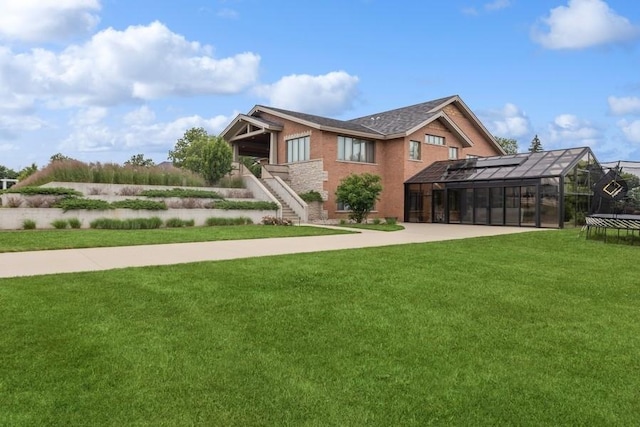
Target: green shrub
x=391 y=220
x=60 y=224
x=177 y=223
x=75 y=223
x=138 y=204
x=272 y=220
x=29 y=224
x=126 y=224
x=376 y=221
x=74 y=203
x=241 y=220
x=311 y=196
x=45 y=191
x=182 y=193
x=245 y=205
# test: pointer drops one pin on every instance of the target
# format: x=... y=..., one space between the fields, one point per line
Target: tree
x=359 y=193
x=5 y=172
x=208 y=155
x=139 y=160
x=509 y=145
x=59 y=157
x=185 y=145
x=27 y=171
x=536 y=145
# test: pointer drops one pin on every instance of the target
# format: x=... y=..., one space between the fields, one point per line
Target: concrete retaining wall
x=12 y=218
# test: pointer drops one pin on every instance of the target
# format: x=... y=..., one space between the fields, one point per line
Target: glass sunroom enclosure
x=549 y=189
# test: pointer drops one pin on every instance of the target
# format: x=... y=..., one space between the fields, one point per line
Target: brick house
x=312 y=152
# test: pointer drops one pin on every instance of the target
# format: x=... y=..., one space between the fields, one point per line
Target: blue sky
x=102 y=80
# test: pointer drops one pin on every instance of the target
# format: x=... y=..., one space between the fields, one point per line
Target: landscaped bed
x=523 y=329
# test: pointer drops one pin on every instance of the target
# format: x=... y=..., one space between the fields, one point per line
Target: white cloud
x=228 y=13
x=328 y=94
x=509 y=122
x=582 y=24
x=7 y=147
x=94 y=130
x=624 y=105
x=139 y=63
x=47 y=20
x=631 y=130
x=497 y=4
x=568 y=129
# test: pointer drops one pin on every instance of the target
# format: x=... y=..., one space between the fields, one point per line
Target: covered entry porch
x=253 y=137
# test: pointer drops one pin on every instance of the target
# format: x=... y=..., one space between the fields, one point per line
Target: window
x=453 y=152
x=414 y=150
x=435 y=140
x=298 y=149
x=355 y=150
x=342 y=206
x=472 y=156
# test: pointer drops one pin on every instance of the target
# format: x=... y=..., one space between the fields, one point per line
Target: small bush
x=29 y=224
x=311 y=196
x=241 y=220
x=39 y=201
x=138 y=204
x=74 y=203
x=376 y=221
x=126 y=224
x=191 y=203
x=95 y=191
x=14 y=202
x=177 y=223
x=182 y=193
x=130 y=191
x=245 y=205
x=272 y=220
x=60 y=224
x=75 y=223
x=391 y=220
x=45 y=191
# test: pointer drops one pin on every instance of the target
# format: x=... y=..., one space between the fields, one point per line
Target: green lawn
x=532 y=329
x=32 y=240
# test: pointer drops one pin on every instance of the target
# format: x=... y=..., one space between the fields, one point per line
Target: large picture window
x=414 y=150
x=356 y=150
x=298 y=149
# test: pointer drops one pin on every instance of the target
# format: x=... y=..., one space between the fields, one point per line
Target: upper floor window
x=453 y=152
x=414 y=150
x=472 y=156
x=298 y=149
x=434 y=139
x=356 y=150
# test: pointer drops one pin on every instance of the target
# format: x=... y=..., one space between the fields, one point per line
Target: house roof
x=315 y=121
x=402 y=120
x=390 y=124
x=514 y=166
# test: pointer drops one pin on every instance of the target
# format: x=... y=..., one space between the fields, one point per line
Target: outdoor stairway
x=287 y=212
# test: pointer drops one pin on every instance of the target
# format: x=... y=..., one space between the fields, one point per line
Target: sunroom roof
x=513 y=166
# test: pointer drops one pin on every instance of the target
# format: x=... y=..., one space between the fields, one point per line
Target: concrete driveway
x=93 y=259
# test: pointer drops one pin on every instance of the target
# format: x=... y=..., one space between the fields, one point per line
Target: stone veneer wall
x=309 y=176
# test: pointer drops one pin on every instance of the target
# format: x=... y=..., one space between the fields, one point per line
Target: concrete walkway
x=76 y=260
